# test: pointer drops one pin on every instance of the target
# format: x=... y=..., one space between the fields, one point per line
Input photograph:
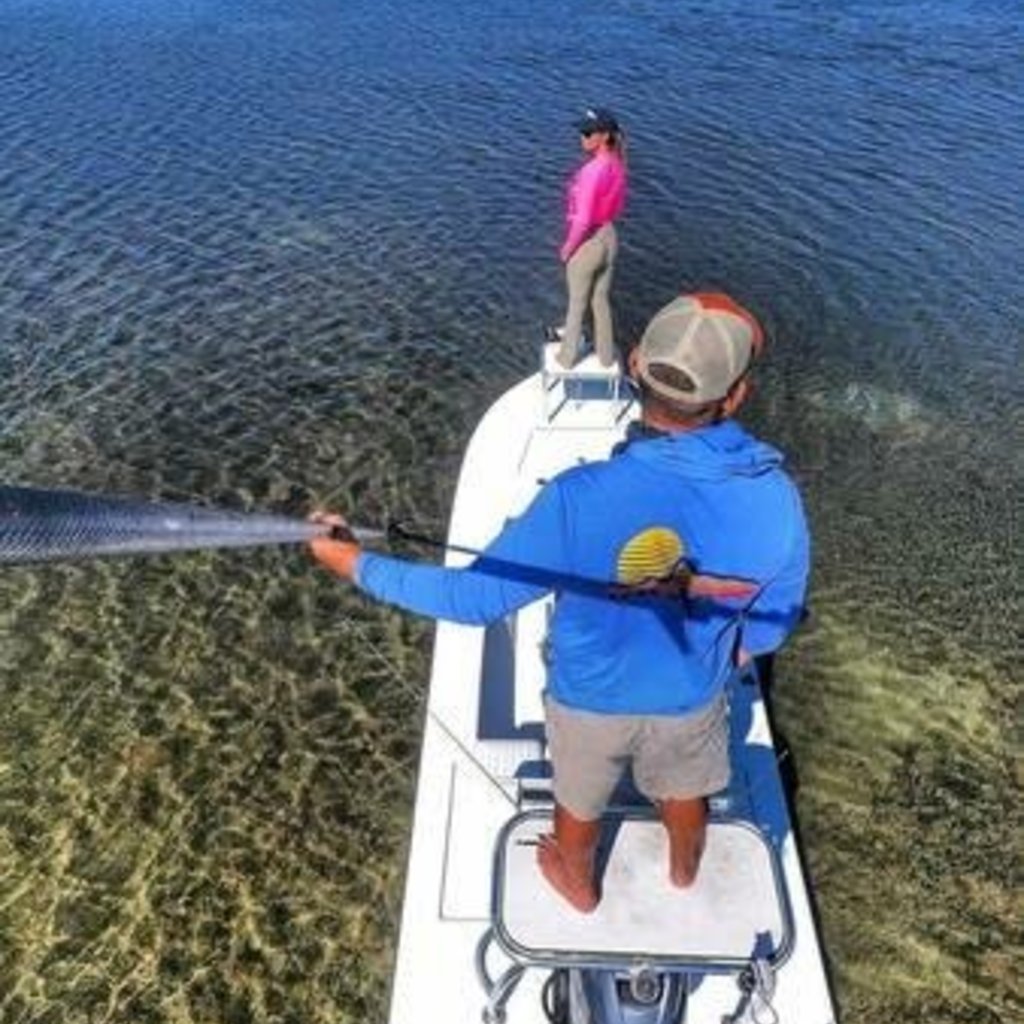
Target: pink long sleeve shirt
x=595 y=197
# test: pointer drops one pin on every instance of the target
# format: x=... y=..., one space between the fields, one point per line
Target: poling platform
x=734 y=912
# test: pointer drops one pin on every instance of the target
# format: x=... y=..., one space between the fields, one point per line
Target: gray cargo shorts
x=674 y=757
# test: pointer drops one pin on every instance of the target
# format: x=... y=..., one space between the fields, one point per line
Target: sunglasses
x=587 y=132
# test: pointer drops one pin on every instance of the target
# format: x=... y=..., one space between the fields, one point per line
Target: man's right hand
x=683 y=582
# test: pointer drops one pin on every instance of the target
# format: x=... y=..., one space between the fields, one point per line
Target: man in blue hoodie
x=702 y=537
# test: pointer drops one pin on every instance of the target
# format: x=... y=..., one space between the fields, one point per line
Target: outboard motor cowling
x=640 y=996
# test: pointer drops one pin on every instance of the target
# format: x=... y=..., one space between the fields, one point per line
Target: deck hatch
x=734 y=912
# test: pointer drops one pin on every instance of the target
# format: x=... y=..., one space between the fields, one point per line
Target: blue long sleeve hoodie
x=713 y=496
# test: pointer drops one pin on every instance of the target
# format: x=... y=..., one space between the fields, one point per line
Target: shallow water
x=278 y=253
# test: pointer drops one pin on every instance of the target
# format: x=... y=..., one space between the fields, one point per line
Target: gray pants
x=674 y=757
x=589 y=278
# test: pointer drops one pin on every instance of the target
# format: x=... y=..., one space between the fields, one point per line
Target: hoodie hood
x=715 y=452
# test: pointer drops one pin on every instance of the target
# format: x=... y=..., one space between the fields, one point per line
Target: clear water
x=279 y=253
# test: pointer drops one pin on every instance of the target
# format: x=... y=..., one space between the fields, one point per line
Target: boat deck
x=734 y=911
x=483 y=763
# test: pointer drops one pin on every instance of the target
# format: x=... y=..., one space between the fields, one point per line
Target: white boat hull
x=482 y=733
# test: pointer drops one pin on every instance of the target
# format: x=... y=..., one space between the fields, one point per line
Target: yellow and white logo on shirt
x=653 y=553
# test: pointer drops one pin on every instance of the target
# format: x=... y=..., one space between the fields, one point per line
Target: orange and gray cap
x=697 y=347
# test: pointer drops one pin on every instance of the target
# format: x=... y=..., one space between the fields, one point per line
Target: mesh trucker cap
x=697 y=347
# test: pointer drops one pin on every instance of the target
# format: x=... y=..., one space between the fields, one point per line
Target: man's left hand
x=339 y=551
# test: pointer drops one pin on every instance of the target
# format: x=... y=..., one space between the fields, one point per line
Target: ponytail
x=617 y=144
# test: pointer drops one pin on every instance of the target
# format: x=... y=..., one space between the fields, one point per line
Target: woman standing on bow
x=595 y=198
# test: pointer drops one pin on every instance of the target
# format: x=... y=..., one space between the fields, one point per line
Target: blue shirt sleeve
x=779 y=607
x=519 y=566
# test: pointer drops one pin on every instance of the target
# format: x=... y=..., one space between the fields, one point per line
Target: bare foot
x=575 y=887
x=683 y=869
